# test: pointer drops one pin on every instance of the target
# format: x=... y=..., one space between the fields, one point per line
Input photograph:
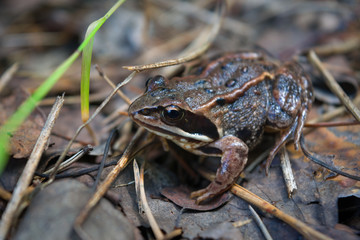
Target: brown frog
x=223 y=108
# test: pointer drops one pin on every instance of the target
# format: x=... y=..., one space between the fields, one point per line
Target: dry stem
x=287 y=172
x=196 y=49
x=153 y=224
x=261 y=224
x=104 y=186
x=7 y=75
x=255 y=200
x=334 y=86
x=28 y=172
x=97 y=111
x=108 y=80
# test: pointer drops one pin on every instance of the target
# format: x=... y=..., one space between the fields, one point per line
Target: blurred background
x=40 y=34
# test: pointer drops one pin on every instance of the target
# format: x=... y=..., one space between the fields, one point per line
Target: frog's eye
x=172 y=114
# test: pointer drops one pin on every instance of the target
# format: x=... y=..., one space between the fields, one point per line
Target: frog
x=223 y=107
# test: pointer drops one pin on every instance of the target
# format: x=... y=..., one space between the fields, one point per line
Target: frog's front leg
x=233 y=160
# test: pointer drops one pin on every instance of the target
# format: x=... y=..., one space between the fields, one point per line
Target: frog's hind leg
x=293 y=132
x=305 y=94
x=291 y=101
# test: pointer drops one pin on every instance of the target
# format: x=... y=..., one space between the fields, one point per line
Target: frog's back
x=246 y=116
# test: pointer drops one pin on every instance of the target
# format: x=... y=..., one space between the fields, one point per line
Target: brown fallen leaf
x=342 y=142
x=180 y=196
x=23 y=140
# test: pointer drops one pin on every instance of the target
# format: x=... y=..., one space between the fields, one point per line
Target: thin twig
x=67 y=138
x=124 y=184
x=114 y=115
x=69 y=100
x=97 y=111
x=106 y=153
x=7 y=75
x=71 y=160
x=260 y=224
x=334 y=86
x=108 y=80
x=332 y=124
x=28 y=172
x=4 y=195
x=263 y=205
x=241 y=223
x=287 y=172
x=170 y=62
x=124 y=133
x=230 y=24
x=257 y=161
x=81 y=172
x=181 y=40
x=342 y=47
x=104 y=186
x=153 y=224
x=255 y=200
x=173 y=234
x=316 y=160
x=333 y=114
x=92 y=135
x=116 y=124
x=196 y=49
x=137 y=186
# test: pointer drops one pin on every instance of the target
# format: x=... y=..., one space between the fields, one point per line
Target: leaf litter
x=283 y=30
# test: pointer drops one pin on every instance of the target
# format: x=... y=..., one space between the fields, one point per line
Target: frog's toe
x=209 y=192
x=198 y=193
x=201 y=195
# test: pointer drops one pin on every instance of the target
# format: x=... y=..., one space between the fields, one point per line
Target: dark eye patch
x=197 y=124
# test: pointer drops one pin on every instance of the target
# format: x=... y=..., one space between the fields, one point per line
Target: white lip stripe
x=180 y=132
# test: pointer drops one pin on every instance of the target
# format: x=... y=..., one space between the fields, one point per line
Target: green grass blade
x=85 y=74
x=28 y=106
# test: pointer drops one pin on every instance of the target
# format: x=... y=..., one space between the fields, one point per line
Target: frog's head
x=163 y=111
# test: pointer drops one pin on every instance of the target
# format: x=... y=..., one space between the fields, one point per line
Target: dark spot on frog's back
x=220 y=101
x=244 y=134
x=231 y=82
x=224 y=67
